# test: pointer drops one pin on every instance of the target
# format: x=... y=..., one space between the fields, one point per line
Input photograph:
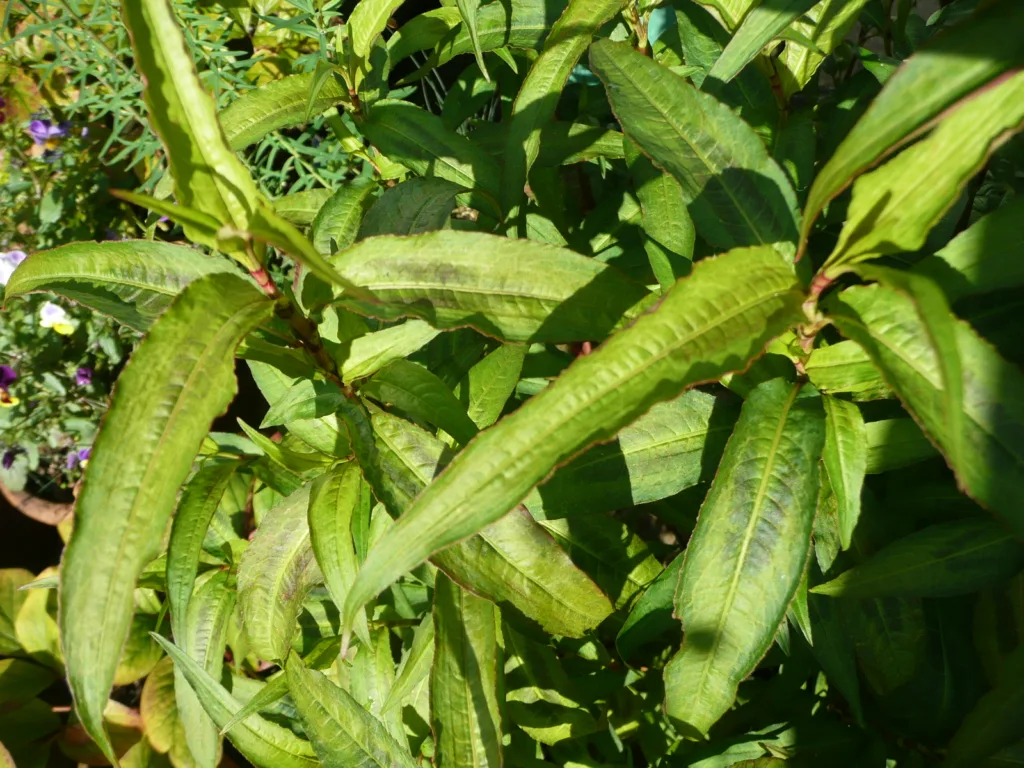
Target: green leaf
x=295 y=462
x=846 y=459
x=411 y=208
x=939 y=561
x=420 y=393
x=974 y=261
x=895 y=207
x=211 y=609
x=737 y=195
x=514 y=290
x=465 y=678
x=538 y=96
x=264 y=743
x=199 y=502
x=748 y=551
x=367 y=21
x=668 y=230
x=278 y=104
x=207 y=174
x=469 y=9
x=275 y=575
x=994 y=723
x=759 y=27
x=939 y=77
x=333 y=502
x=516 y=25
x=490 y=383
x=832 y=647
x=366 y=355
x=988 y=454
x=370 y=679
x=651 y=617
x=343 y=733
x=423 y=32
x=811 y=39
x=712 y=322
x=160 y=716
x=513 y=561
x=132 y=281
x=846 y=369
x=418 y=140
x=337 y=222
x=305 y=399
x=22 y=680
x=415 y=666
x=665 y=451
x=11 y=600
x=178 y=380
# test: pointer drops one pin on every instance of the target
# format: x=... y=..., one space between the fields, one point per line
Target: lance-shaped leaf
x=516 y=25
x=333 y=501
x=939 y=76
x=132 y=281
x=711 y=322
x=278 y=104
x=811 y=39
x=367 y=354
x=413 y=207
x=538 y=97
x=465 y=678
x=895 y=443
x=895 y=207
x=160 y=715
x=832 y=647
x=846 y=460
x=337 y=222
x=748 y=551
x=469 y=10
x=421 y=394
x=343 y=733
x=941 y=560
x=209 y=613
x=207 y=174
x=490 y=383
x=994 y=723
x=418 y=140
x=759 y=27
x=667 y=450
x=515 y=290
x=416 y=664
x=423 y=32
x=264 y=743
x=275 y=575
x=651 y=617
x=300 y=208
x=198 y=504
x=737 y=194
x=988 y=454
x=179 y=379
x=513 y=561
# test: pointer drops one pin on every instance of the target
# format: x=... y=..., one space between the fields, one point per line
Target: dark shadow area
x=25 y=543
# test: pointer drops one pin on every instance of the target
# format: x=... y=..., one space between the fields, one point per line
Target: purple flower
x=83 y=377
x=45 y=132
x=81 y=456
x=8 y=263
x=7 y=376
x=8 y=460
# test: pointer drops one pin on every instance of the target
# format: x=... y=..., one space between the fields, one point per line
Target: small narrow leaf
x=464 y=680
x=368 y=19
x=469 y=10
x=366 y=355
x=179 y=379
x=415 y=665
x=759 y=27
x=708 y=324
x=939 y=561
x=846 y=460
x=337 y=222
x=343 y=733
x=748 y=551
x=421 y=394
x=275 y=575
x=265 y=744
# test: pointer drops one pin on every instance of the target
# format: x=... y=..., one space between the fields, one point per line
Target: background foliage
x=641 y=382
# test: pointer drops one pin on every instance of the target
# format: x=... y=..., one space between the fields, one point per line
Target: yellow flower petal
x=64 y=329
x=7 y=401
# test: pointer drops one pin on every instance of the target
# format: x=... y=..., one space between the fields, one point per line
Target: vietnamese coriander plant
x=641 y=403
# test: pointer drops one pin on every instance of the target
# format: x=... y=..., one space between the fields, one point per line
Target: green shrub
x=648 y=396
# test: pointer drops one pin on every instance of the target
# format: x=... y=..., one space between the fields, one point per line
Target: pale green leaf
x=178 y=380
x=367 y=21
x=759 y=27
x=411 y=208
x=846 y=459
x=337 y=222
